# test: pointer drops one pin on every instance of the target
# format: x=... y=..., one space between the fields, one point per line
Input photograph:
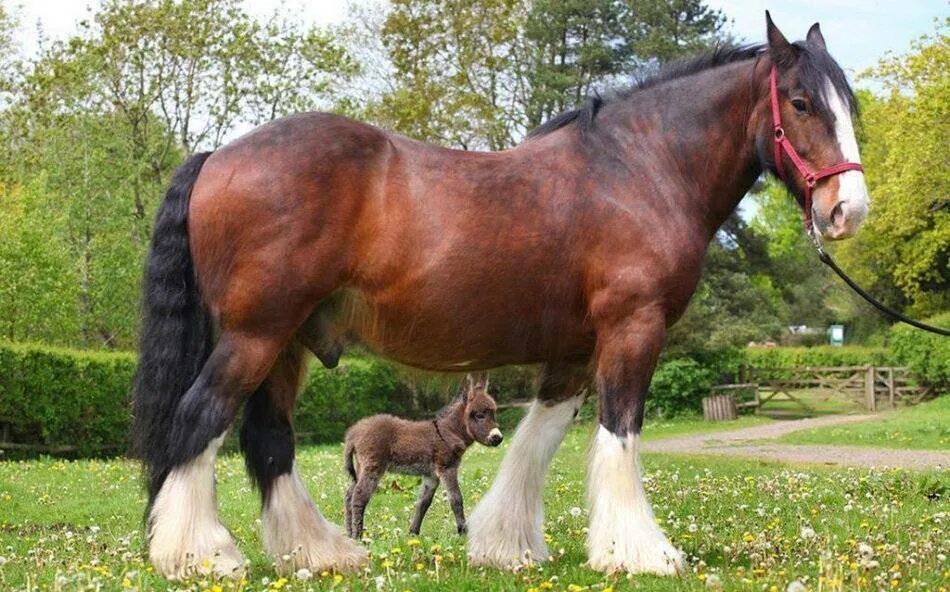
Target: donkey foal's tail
x=348 y=452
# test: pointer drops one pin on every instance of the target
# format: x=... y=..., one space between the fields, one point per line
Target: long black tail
x=175 y=336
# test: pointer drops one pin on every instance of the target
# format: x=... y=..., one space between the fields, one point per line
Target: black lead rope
x=827 y=260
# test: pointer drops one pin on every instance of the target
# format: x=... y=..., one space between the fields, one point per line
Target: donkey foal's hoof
x=463 y=529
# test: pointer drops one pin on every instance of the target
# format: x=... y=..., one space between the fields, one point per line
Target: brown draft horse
x=576 y=249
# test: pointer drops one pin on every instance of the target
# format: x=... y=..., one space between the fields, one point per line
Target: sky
x=858 y=32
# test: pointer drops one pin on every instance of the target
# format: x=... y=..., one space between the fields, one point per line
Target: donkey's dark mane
x=815 y=64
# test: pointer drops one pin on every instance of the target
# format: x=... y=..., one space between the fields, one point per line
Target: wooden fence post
x=869 y=395
x=890 y=385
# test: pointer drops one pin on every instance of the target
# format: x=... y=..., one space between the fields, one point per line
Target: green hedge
x=77 y=403
x=57 y=398
x=926 y=354
x=823 y=356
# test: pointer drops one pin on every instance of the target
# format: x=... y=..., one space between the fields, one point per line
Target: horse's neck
x=703 y=131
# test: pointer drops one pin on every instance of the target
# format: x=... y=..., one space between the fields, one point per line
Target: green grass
x=924 y=426
x=77 y=526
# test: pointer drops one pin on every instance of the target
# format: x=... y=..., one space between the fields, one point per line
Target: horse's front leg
x=623 y=532
x=450 y=478
x=506 y=526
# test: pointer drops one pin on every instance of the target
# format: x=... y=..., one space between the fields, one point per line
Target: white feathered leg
x=623 y=534
x=505 y=530
x=185 y=536
x=298 y=536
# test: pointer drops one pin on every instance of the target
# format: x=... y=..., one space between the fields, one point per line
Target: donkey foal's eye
x=800 y=105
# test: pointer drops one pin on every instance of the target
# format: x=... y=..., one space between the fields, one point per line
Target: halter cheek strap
x=781 y=143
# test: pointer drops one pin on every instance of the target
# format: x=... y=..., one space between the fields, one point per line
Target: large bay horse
x=576 y=250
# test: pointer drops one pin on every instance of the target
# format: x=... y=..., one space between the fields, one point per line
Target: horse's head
x=814 y=105
x=480 y=412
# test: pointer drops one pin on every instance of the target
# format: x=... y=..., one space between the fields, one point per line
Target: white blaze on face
x=852 y=189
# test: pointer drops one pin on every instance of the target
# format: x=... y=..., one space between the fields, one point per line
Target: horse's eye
x=479 y=416
x=800 y=105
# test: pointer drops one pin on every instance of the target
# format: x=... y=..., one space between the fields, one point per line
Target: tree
x=101 y=120
x=481 y=73
x=903 y=251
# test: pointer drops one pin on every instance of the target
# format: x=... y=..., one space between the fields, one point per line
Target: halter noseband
x=782 y=143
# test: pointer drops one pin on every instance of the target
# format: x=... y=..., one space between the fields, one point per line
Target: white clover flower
x=380 y=582
x=575 y=511
x=303 y=574
x=806 y=532
x=865 y=550
x=713 y=582
x=796 y=586
x=3 y=560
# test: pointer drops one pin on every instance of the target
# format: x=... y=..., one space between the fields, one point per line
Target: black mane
x=814 y=65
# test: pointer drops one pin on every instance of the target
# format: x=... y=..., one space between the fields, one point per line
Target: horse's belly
x=476 y=331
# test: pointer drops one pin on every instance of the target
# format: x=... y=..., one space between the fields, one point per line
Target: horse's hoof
x=641 y=555
x=224 y=561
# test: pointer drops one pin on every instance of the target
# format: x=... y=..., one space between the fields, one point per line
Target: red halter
x=782 y=143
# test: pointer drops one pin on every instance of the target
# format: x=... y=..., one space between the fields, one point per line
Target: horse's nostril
x=837 y=213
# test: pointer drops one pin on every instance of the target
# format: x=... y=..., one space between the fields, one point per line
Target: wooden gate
x=875 y=387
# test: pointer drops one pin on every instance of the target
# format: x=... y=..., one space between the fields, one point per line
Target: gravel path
x=740 y=443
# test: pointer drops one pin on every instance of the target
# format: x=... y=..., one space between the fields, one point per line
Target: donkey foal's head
x=479 y=418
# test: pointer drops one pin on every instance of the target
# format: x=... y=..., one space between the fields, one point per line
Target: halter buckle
x=779 y=133
x=811 y=180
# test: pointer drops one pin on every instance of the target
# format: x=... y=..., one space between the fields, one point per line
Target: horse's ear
x=815 y=37
x=783 y=52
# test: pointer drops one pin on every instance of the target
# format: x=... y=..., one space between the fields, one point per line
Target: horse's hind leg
x=295 y=533
x=507 y=523
x=185 y=535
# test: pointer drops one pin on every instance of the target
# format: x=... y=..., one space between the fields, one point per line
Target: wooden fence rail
x=874 y=386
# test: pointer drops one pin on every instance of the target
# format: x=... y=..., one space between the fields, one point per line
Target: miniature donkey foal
x=430 y=448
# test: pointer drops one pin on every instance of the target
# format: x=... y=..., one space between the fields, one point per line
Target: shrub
x=824 y=356
x=926 y=354
x=76 y=402
x=56 y=398
x=332 y=400
x=679 y=386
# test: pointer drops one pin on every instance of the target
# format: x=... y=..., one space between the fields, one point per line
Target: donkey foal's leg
x=426 y=491
x=451 y=479
x=506 y=526
x=365 y=488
